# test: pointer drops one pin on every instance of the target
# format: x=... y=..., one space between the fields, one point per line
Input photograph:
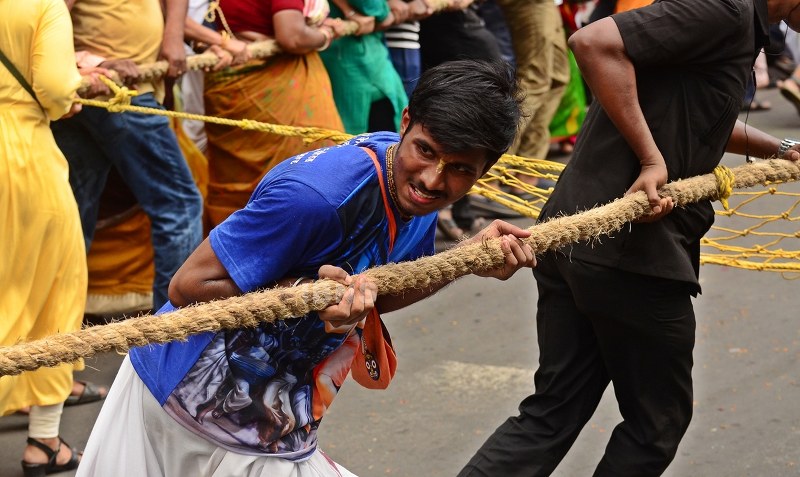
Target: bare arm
x=172 y=42
x=197 y=32
x=54 y=78
x=294 y=36
x=201 y=278
x=366 y=24
x=517 y=255
x=752 y=141
x=610 y=74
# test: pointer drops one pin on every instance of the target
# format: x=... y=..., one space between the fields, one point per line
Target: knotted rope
x=725 y=178
x=269 y=305
x=121 y=103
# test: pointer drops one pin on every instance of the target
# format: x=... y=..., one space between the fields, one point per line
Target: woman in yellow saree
x=43 y=265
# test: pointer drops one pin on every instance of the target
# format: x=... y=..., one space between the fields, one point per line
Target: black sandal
x=792 y=94
x=91 y=393
x=39 y=470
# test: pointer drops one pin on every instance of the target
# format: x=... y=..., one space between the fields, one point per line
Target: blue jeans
x=145 y=152
x=408 y=64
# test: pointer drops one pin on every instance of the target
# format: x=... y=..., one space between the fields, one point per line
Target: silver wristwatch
x=786 y=144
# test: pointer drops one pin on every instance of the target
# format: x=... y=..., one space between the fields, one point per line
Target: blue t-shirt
x=264 y=390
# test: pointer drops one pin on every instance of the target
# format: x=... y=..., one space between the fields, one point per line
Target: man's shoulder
x=333 y=172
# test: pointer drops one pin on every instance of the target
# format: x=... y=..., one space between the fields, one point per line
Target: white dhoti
x=134 y=437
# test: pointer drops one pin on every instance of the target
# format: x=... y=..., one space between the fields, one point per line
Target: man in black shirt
x=668 y=81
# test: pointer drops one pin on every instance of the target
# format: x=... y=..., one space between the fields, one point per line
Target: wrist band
x=786 y=144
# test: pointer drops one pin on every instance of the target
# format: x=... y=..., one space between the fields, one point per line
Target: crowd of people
x=433 y=99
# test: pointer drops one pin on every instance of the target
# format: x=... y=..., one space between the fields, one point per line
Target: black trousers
x=597 y=324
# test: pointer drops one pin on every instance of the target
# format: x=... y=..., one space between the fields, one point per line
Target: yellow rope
x=215 y=11
x=121 y=103
x=725 y=181
x=122 y=96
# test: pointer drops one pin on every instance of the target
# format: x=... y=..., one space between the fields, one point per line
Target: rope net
x=745 y=238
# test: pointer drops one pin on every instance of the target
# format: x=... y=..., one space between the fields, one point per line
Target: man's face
x=425 y=178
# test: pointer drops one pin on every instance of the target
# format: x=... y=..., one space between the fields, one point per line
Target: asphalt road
x=467 y=357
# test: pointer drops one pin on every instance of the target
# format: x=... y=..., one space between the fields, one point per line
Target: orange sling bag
x=375 y=362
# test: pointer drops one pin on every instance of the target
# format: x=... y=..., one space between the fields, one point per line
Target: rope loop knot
x=725 y=181
x=122 y=95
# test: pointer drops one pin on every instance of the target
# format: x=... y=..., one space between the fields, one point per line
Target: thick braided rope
x=269 y=305
x=260 y=50
x=152 y=71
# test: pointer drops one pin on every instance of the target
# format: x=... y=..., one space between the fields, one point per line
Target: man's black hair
x=467 y=105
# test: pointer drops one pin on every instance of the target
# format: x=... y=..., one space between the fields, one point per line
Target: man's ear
x=405 y=120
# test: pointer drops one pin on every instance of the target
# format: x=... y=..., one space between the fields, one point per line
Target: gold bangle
x=328 y=39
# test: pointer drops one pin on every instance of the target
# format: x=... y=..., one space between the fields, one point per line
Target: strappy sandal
x=91 y=393
x=792 y=94
x=40 y=470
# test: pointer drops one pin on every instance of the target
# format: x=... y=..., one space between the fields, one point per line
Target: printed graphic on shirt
x=265 y=389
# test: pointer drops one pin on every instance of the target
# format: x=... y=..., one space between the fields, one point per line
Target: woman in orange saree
x=291 y=88
x=285 y=89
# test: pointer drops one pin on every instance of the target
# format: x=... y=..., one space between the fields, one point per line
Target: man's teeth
x=423 y=195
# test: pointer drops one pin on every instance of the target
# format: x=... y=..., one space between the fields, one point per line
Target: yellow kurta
x=43 y=263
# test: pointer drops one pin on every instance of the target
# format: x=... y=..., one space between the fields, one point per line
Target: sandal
x=39 y=470
x=91 y=393
x=791 y=94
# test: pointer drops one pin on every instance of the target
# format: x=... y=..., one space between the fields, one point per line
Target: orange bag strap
x=389 y=213
x=375 y=361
